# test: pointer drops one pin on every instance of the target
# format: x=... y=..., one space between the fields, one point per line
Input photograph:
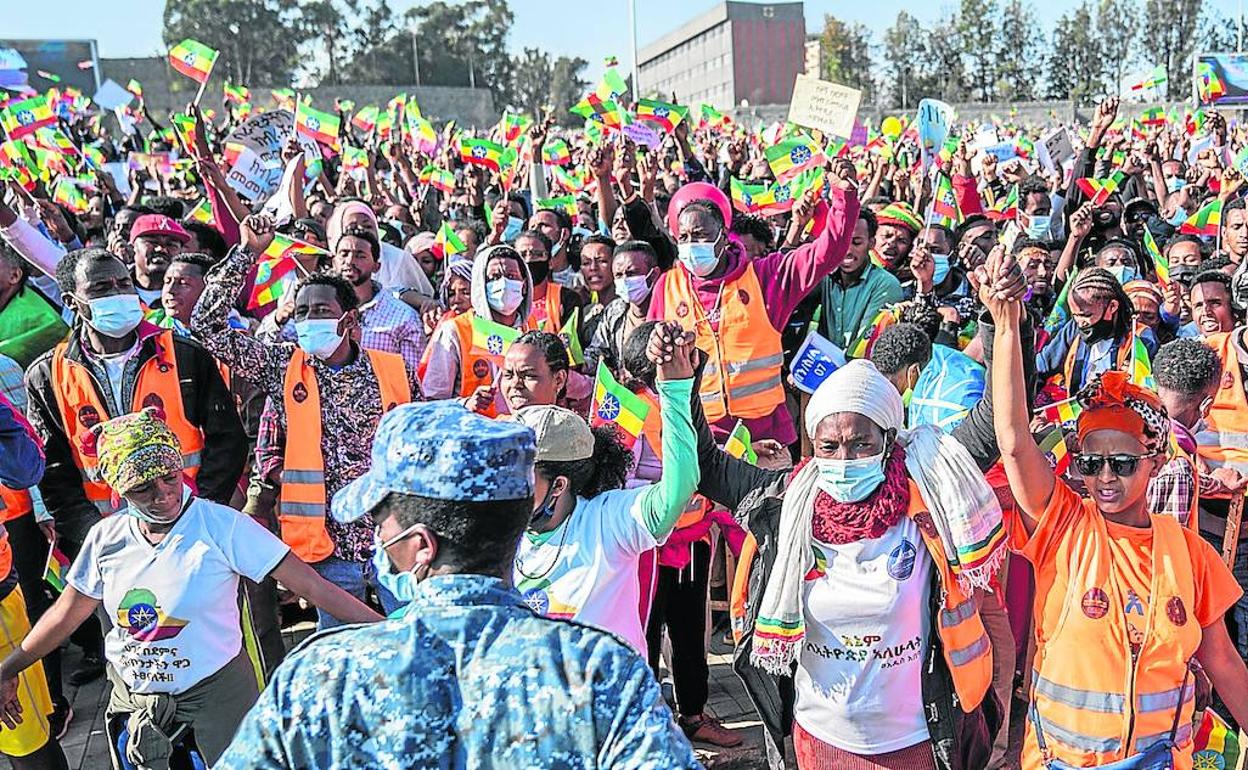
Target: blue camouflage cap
x=441 y=450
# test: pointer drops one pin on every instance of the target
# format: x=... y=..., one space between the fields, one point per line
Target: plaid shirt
x=1171 y=491
x=389 y=324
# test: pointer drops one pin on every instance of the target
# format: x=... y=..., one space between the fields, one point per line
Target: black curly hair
x=899 y=346
x=342 y=290
x=606 y=470
x=1187 y=366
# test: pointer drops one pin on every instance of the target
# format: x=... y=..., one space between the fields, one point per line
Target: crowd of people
x=509 y=423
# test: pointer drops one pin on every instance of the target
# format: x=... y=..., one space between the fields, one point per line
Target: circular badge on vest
x=1176 y=611
x=901 y=561
x=155 y=402
x=743 y=296
x=1228 y=380
x=480 y=369
x=1095 y=603
x=299 y=393
x=682 y=309
x=924 y=520
x=88 y=416
x=163 y=367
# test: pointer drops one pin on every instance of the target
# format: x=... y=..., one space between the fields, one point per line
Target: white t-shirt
x=858 y=683
x=174 y=605
x=586 y=568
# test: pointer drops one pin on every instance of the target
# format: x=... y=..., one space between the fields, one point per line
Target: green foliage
x=847 y=55
x=246 y=32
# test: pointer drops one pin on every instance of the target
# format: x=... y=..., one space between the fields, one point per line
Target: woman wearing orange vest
x=1126 y=601
x=860 y=634
x=502 y=292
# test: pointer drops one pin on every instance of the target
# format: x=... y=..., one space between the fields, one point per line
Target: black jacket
x=205 y=399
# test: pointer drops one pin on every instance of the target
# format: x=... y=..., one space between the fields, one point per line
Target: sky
x=127 y=28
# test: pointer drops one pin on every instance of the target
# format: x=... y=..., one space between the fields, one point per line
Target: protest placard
x=829 y=107
x=111 y=95
x=1058 y=145
x=815 y=360
x=933 y=121
x=258 y=170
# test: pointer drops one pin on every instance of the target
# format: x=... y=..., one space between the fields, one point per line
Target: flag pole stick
x=199 y=94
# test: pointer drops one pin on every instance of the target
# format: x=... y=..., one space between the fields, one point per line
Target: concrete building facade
x=735 y=52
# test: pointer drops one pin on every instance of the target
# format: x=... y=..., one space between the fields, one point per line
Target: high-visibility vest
x=747 y=347
x=81 y=408
x=554 y=310
x=475 y=370
x=14 y=503
x=652 y=431
x=1224 y=441
x=1122 y=360
x=967 y=649
x=1193 y=512
x=303 y=500
x=1095 y=700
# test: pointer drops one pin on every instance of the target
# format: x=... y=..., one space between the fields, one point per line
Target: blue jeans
x=354 y=578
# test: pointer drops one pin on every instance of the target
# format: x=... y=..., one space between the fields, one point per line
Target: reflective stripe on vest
x=80 y=407
x=304 y=503
x=742 y=376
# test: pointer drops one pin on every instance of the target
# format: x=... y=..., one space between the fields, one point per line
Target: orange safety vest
x=81 y=408
x=303 y=500
x=1122 y=359
x=1224 y=441
x=747 y=347
x=14 y=503
x=652 y=432
x=1097 y=702
x=554 y=310
x=967 y=649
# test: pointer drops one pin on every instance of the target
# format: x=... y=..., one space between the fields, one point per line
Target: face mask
x=116 y=315
x=1125 y=273
x=401 y=584
x=514 y=226
x=849 y=481
x=545 y=510
x=1038 y=226
x=584 y=232
x=1178 y=218
x=634 y=288
x=554 y=250
x=940 y=270
x=318 y=337
x=1175 y=183
x=504 y=294
x=699 y=257
x=1101 y=330
x=539 y=271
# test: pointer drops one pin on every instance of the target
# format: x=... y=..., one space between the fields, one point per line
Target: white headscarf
x=476 y=288
x=963 y=507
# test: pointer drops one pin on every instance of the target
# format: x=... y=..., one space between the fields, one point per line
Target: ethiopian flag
x=1054 y=447
x=441 y=179
x=490 y=339
x=25 y=117
x=481 y=152
x=1141 y=366
x=555 y=153
x=793 y=156
x=366 y=119
x=565 y=203
x=67 y=194
x=284 y=246
x=945 y=203
x=1206 y=221
x=571 y=340
x=1007 y=207
x=321 y=126
x=616 y=405
x=1099 y=190
x=447 y=243
x=666 y=115
x=1160 y=264
x=1062 y=412
x=739 y=444
x=749 y=198
x=56 y=568
x=193 y=59
x=236 y=94
x=1216 y=745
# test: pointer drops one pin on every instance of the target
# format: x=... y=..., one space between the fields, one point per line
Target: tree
x=1020 y=52
x=257 y=39
x=1218 y=34
x=1117 y=27
x=906 y=46
x=847 y=55
x=976 y=22
x=530 y=88
x=464 y=44
x=323 y=22
x=1170 y=30
x=1075 y=65
x=945 y=46
x=567 y=85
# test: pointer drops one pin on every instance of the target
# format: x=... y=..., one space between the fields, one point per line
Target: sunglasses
x=1119 y=465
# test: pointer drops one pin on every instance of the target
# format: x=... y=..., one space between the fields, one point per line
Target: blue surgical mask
x=401 y=584
x=850 y=481
x=514 y=226
x=698 y=257
x=504 y=294
x=940 y=269
x=633 y=288
x=1038 y=226
x=115 y=315
x=1175 y=183
x=584 y=232
x=1125 y=273
x=1178 y=218
x=319 y=337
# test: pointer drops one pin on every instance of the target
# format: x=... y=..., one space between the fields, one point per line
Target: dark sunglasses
x=1119 y=465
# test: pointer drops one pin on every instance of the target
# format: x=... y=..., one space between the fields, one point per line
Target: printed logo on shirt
x=89 y=416
x=743 y=296
x=480 y=369
x=1176 y=611
x=1095 y=603
x=154 y=401
x=820 y=567
x=141 y=616
x=682 y=309
x=537 y=595
x=1134 y=606
x=901 y=561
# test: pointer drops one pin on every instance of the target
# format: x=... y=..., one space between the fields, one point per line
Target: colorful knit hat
x=899 y=214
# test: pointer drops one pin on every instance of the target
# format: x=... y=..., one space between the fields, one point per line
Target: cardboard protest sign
x=256 y=173
x=815 y=360
x=640 y=133
x=1055 y=149
x=825 y=106
x=1002 y=151
x=111 y=95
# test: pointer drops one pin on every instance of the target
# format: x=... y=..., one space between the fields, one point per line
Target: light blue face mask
x=1178 y=218
x=698 y=257
x=1038 y=226
x=1175 y=183
x=514 y=226
x=401 y=584
x=850 y=481
x=116 y=315
x=1125 y=273
x=940 y=269
x=318 y=337
x=584 y=232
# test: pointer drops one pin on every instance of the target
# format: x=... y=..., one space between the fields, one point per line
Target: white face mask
x=634 y=288
x=504 y=294
x=116 y=315
x=319 y=337
x=698 y=257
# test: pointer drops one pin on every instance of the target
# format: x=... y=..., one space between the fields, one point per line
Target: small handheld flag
x=490 y=339
x=193 y=59
x=1053 y=445
x=447 y=243
x=571 y=339
x=481 y=152
x=56 y=568
x=1206 y=221
x=616 y=405
x=321 y=126
x=739 y=444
